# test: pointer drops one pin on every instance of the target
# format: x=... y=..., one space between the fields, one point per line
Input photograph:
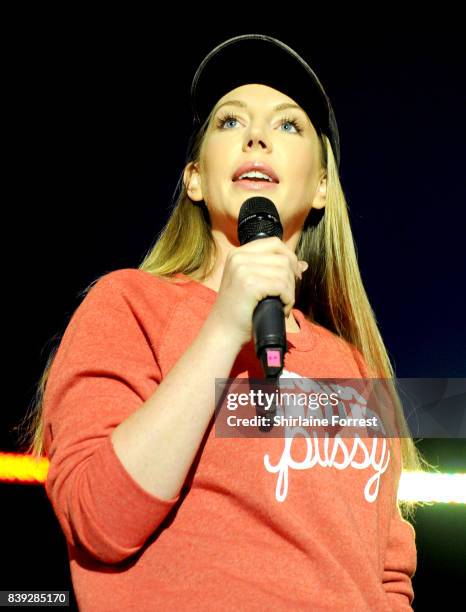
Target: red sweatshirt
x=252 y=529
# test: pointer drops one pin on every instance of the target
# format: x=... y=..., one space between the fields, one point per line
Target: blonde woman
x=158 y=512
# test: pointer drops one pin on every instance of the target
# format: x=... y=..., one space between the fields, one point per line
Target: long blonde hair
x=331 y=292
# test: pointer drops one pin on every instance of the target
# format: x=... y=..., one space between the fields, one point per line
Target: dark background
x=96 y=128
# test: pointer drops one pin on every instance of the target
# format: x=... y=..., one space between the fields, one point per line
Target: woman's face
x=285 y=140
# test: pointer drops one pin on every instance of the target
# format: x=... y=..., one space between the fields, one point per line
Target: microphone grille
x=258 y=218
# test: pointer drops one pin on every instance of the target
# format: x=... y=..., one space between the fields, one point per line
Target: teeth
x=255 y=174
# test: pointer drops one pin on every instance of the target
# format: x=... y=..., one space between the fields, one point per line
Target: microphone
x=259 y=218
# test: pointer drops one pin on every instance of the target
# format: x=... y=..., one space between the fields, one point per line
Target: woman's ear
x=320 y=197
x=192 y=181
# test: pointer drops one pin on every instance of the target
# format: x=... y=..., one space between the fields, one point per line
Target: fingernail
x=304 y=265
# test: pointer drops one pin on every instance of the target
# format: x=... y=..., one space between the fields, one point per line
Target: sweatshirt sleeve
x=104 y=369
x=400 y=564
x=400 y=560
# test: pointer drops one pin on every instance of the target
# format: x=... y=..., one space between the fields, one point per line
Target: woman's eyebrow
x=242 y=104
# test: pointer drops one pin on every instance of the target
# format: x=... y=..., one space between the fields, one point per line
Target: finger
x=277 y=287
x=270 y=249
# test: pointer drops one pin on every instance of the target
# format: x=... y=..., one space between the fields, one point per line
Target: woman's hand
x=252 y=272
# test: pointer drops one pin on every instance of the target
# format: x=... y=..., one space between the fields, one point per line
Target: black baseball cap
x=258 y=58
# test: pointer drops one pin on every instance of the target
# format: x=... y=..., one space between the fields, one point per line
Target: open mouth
x=255 y=184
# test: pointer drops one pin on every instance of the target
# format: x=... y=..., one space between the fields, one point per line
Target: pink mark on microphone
x=273 y=358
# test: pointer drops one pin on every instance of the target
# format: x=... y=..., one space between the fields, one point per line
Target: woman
x=158 y=512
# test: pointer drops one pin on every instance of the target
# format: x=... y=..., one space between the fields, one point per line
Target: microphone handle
x=270 y=335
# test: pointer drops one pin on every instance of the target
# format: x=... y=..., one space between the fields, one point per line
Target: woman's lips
x=255 y=185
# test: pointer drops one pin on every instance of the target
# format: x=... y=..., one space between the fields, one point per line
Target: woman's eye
x=228 y=119
x=222 y=121
x=290 y=123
